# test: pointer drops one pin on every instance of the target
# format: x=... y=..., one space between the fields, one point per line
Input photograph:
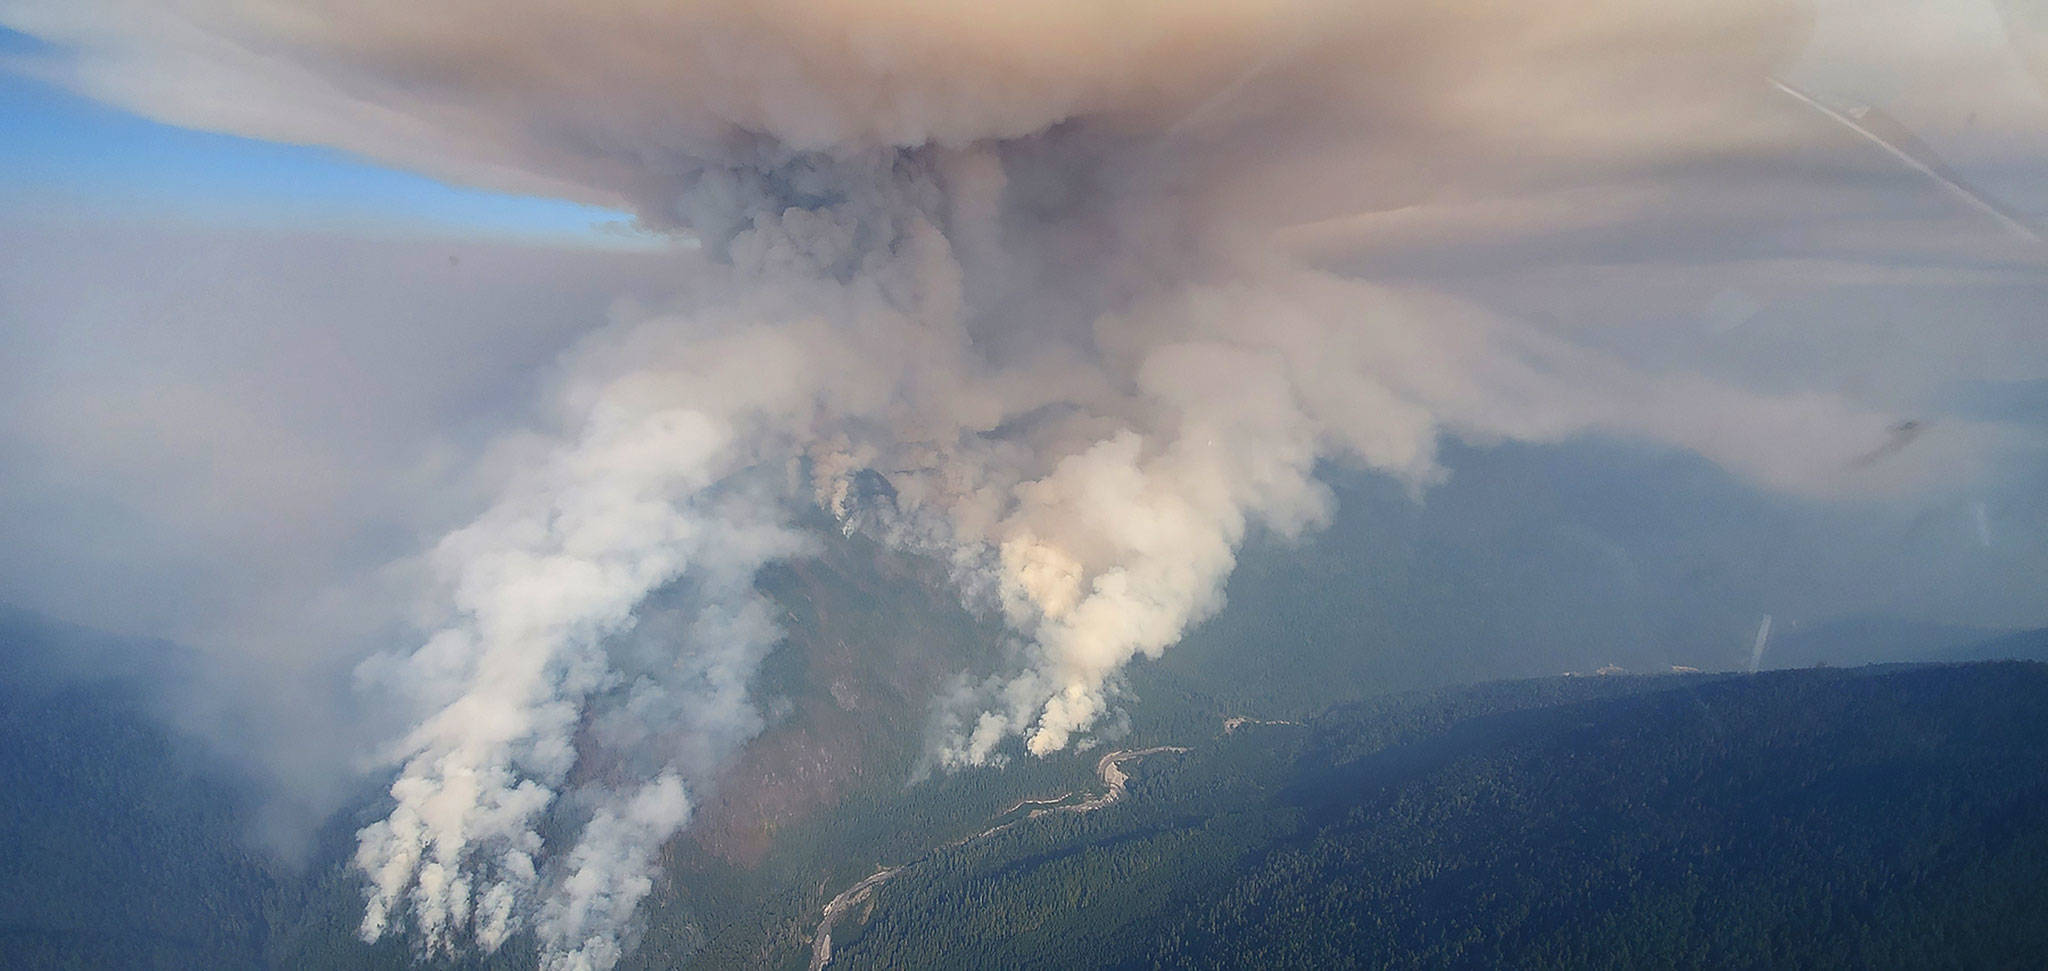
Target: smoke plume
x=1017 y=259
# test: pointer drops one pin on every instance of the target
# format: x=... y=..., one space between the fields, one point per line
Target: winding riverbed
x=1109 y=769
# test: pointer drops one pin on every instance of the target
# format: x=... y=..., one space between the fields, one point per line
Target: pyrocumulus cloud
x=1018 y=258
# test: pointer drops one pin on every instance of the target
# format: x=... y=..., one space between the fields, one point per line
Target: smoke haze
x=1068 y=276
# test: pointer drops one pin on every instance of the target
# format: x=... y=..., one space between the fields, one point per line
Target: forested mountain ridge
x=1884 y=817
x=1863 y=816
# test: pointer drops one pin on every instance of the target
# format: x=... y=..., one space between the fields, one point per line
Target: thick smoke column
x=605 y=620
x=1017 y=258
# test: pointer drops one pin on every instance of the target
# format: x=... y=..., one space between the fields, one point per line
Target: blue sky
x=62 y=154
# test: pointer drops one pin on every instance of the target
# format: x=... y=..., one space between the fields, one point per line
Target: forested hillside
x=1856 y=817
x=119 y=847
x=1867 y=818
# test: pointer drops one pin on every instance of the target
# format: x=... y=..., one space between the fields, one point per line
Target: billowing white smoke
x=558 y=699
x=1017 y=257
x=543 y=584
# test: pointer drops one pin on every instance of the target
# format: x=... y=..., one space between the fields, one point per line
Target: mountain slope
x=1879 y=817
x=119 y=845
x=1856 y=816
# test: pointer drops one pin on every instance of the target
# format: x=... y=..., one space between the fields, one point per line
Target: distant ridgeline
x=1869 y=817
